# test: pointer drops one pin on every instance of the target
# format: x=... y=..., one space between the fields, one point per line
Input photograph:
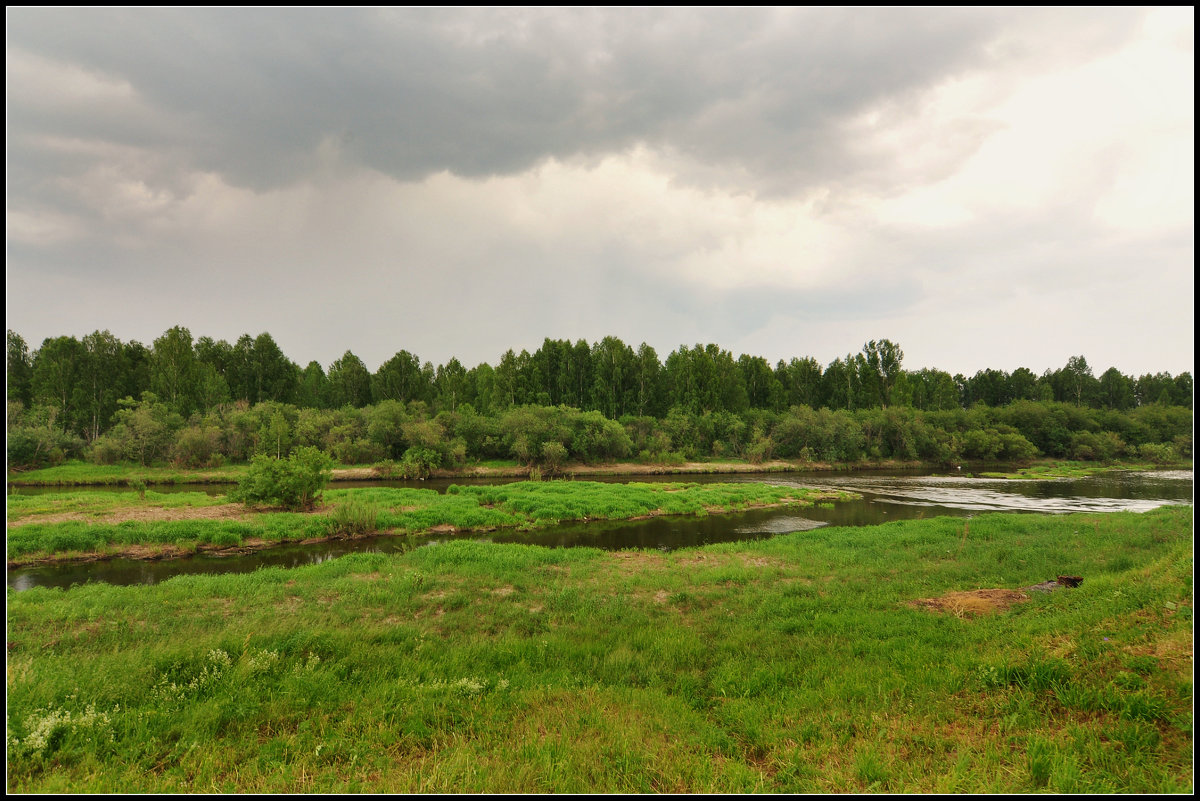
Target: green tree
x=1022 y=385
x=349 y=382
x=274 y=376
x=173 y=370
x=211 y=387
x=879 y=367
x=481 y=388
x=100 y=382
x=763 y=389
x=19 y=369
x=705 y=379
x=1075 y=383
x=505 y=380
x=1116 y=390
x=137 y=369
x=800 y=380
x=56 y=368
x=648 y=383
x=839 y=384
x=402 y=378
x=451 y=385
x=934 y=390
x=614 y=368
x=312 y=391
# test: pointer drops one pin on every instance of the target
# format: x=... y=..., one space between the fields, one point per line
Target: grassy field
x=836 y=660
x=84 y=525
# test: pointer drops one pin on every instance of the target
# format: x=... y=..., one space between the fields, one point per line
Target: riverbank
x=83 y=526
x=82 y=474
x=834 y=660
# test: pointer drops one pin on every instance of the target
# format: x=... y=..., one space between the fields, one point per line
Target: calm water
x=885 y=496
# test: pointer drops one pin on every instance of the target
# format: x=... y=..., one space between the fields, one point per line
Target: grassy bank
x=1068 y=469
x=88 y=525
x=805 y=663
x=81 y=474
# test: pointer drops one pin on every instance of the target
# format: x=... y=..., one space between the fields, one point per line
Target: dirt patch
x=290 y=604
x=636 y=560
x=971 y=603
x=152 y=551
x=353 y=473
x=144 y=514
x=637 y=469
x=760 y=561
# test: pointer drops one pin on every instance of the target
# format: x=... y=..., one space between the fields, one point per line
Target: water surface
x=885 y=496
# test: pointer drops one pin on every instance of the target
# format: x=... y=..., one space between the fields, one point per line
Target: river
x=885 y=496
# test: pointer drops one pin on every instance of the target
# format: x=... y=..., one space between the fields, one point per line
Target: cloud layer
x=989 y=188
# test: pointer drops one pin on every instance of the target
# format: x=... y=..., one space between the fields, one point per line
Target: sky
x=994 y=188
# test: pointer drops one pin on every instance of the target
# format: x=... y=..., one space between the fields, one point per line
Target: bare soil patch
x=972 y=603
x=146 y=514
x=354 y=473
x=636 y=560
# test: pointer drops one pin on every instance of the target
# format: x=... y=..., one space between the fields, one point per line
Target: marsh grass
x=109 y=522
x=1070 y=469
x=794 y=664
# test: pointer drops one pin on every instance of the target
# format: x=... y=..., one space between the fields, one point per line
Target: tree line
x=214 y=399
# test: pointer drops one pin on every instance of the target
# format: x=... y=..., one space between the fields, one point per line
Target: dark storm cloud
x=786 y=182
x=759 y=96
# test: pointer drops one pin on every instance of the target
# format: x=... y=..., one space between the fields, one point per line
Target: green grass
x=1069 y=469
x=119 y=522
x=794 y=664
x=85 y=473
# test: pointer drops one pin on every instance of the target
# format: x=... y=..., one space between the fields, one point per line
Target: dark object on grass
x=1051 y=586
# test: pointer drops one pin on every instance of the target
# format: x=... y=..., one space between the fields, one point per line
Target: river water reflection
x=885 y=496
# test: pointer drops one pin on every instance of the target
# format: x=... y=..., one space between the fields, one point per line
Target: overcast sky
x=987 y=188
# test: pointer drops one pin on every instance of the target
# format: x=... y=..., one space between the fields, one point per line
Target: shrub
x=40 y=446
x=359 y=451
x=293 y=483
x=1157 y=453
x=352 y=519
x=553 y=456
x=419 y=462
x=197 y=447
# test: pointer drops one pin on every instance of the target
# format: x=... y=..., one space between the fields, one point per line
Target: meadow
x=835 y=660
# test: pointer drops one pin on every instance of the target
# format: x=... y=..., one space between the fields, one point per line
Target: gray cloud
x=760 y=96
x=117 y=120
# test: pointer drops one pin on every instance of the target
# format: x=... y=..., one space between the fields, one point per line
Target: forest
x=204 y=402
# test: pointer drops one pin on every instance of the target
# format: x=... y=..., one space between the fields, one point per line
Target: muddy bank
x=372 y=473
x=639 y=469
